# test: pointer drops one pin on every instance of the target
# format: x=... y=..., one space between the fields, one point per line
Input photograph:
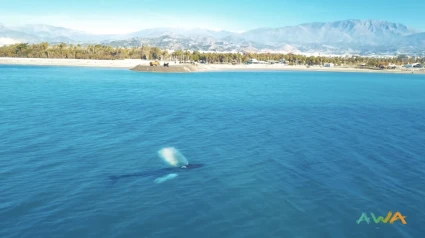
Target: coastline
x=131 y=63
x=280 y=67
x=125 y=64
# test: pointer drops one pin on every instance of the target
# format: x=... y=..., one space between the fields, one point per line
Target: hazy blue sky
x=120 y=16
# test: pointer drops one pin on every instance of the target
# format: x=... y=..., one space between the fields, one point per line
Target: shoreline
x=254 y=68
x=131 y=63
x=124 y=64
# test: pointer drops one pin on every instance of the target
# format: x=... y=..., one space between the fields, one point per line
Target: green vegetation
x=102 y=52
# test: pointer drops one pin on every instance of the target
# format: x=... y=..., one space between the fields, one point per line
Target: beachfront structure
x=414 y=65
x=391 y=66
x=255 y=61
x=329 y=65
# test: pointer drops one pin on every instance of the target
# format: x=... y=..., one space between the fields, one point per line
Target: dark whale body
x=156 y=173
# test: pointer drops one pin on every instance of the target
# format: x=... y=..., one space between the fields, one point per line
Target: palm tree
x=164 y=55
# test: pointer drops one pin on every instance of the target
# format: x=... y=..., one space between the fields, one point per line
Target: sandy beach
x=281 y=67
x=128 y=63
x=131 y=63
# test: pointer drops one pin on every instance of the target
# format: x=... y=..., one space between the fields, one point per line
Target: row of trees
x=64 y=51
x=102 y=52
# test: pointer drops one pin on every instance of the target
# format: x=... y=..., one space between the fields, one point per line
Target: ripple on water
x=289 y=154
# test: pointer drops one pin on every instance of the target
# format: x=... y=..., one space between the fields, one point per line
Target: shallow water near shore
x=284 y=154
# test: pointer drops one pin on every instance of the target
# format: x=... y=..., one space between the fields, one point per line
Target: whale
x=156 y=173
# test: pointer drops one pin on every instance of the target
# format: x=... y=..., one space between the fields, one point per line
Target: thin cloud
x=100 y=24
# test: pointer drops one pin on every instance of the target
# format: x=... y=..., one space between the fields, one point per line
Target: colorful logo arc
x=397 y=216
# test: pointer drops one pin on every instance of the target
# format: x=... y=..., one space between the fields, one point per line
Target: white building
x=253 y=61
x=329 y=65
x=392 y=66
x=414 y=65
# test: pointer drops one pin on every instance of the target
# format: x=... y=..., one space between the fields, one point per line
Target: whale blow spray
x=172 y=157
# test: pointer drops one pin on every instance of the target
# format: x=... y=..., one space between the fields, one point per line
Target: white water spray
x=172 y=157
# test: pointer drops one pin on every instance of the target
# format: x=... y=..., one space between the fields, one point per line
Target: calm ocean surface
x=285 y=154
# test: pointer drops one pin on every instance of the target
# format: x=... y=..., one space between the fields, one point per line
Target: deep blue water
x=285 y=154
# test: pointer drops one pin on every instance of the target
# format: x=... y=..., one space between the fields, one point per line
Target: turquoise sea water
x=284 y=154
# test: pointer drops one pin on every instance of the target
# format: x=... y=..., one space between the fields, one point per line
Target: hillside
x=339 y=37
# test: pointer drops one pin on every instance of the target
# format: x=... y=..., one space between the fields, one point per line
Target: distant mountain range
x=364 y=37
